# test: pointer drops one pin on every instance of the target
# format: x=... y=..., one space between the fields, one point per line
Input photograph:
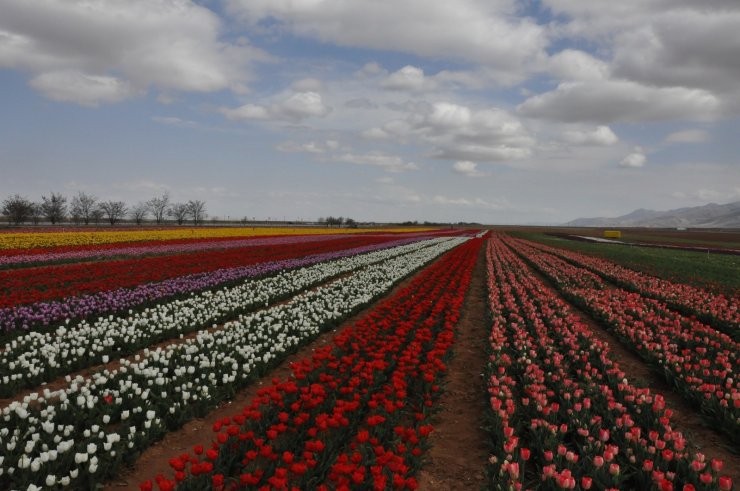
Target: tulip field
x=114 y=341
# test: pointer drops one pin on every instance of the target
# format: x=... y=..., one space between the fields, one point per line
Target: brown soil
x=154 y=460
x=458 y=453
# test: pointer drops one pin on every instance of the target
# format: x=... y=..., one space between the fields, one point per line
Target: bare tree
x=334 y=221
x=159 y=207
x=196 y=210
x=36 y=213
x=139 y=212
x=96 y=215
x=82 y=207
x=17 y=209
x=114 y=210
x=179 y=211
x=350 y=222
x=54 y=207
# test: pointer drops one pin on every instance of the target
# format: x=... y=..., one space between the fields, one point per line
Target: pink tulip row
x=702 y=362
x=716 y=309
x=564 y=416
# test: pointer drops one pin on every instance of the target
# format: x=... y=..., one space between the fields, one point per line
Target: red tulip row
x=26 y=286
x=702 y=362
x=354 y=415
x=563 y=414
x=716 y=309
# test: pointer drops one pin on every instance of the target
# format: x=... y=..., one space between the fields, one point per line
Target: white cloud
x=390 y=163
x=370 y=69
x=302 y=105
x=620 y=100
x=175 y=121
x=635 y=159
x=361 y=103
x=295 y=108
x=374 y=134
x=309 y=147
x=498 y=204
x=467 y=168
x=81 y=88
x=572 y=64
x=307 y=85
x=120 y=48
x=408 y=78
x=460 y=133
x=602 y=135
x=486 y=32
x=688 y=136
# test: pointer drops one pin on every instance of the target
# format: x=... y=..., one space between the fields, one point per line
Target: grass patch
x=718 y=272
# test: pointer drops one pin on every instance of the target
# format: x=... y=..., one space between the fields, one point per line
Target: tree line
x=87 y=209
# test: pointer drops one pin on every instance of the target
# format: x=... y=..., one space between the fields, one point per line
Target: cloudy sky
x=497 y=111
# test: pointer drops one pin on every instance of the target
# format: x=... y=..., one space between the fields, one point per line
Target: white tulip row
x=79 y=435
x=38 y=357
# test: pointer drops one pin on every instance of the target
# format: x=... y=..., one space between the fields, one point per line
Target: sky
x=490 y=111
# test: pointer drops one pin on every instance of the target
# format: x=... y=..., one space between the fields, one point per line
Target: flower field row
x=355 y=415
x=563 y=414
x=42 y=256
x=715 y=309
x=26 y=317
x=82 y=237
x=26 y=286
x=36 y=357
x=79 y=435
x=699 y=360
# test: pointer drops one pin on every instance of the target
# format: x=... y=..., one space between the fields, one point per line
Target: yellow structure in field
x=612 y=234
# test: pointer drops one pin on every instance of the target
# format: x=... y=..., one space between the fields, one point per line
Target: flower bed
x=26 y=286
x=30 y=238
x=80 y=435
x=700 y=361
x=719 y=311
x=26 y=317
x=563 y=414
x=355 y=414
x=38 y=357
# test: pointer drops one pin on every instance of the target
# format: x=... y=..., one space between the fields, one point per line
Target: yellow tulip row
x=84 y=238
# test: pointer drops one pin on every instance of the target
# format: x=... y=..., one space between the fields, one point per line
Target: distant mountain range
x=707 y=216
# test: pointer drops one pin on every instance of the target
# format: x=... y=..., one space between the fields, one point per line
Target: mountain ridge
x=711 y=215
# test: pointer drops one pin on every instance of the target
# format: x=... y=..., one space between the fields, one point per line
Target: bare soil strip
x=154 y=460
x=459 y=449
x=686 y=418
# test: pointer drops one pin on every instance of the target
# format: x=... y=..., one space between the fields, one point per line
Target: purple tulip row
x=26 y=317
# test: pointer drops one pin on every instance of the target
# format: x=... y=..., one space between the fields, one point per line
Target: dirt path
x=154 y=460
x=458 y=453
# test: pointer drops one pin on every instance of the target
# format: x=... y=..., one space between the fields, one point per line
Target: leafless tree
x=114 y=210
x=54 y=207
x=82 y=207
x=17 y=209
x=334 y=221
x=96 y=215
x=139 y=212
x=36 y=213
x=196 y=211
x=159 y=207
x=179 y=211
